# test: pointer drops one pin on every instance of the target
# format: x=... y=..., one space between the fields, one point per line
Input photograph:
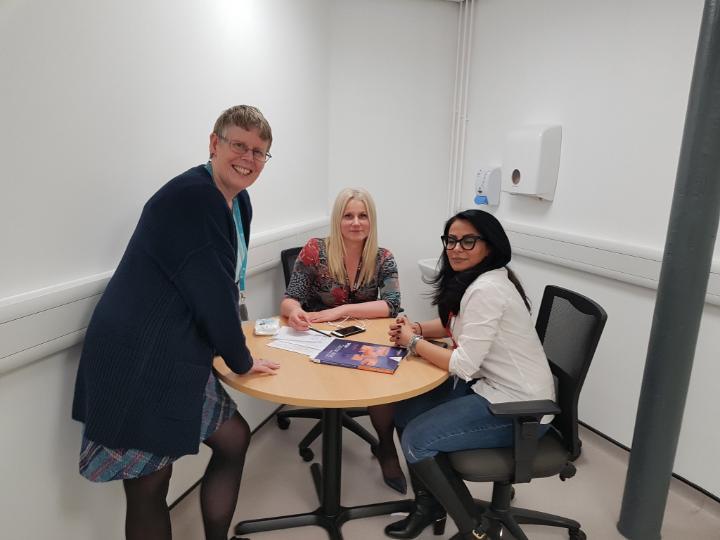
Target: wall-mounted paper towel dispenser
x=531 y=160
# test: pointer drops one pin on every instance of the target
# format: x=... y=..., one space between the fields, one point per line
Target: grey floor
x=277 y=481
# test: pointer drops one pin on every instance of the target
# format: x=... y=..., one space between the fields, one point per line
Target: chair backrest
x=569 y=325
x=287 y=258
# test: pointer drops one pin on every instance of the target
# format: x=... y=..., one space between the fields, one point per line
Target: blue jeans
x=450 y=418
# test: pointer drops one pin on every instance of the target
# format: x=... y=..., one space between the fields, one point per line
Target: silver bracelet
x=412 y=343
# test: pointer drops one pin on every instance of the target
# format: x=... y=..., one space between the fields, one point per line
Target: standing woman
x=348 y=275
x=496 y=357
x=145 y=389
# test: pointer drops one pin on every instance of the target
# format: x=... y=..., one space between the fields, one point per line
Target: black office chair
x=569 y=326
x=287 y=258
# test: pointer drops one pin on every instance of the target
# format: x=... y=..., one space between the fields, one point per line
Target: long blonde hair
x=336 y=245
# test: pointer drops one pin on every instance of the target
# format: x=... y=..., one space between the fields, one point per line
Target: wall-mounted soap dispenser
x=531 y=160
x=487 y=186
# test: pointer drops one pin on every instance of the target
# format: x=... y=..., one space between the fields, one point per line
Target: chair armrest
x=526 y=417
x=536 y=408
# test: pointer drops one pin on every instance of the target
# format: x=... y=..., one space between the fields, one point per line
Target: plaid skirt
x=99 y=463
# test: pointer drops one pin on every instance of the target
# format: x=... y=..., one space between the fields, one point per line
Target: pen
x=318 y=331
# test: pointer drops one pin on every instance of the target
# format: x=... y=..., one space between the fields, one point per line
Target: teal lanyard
x=241 y=263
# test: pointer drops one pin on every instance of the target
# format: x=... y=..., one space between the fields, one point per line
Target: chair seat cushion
x=498 y=464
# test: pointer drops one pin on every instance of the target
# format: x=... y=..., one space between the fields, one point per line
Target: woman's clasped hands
x=401 y=331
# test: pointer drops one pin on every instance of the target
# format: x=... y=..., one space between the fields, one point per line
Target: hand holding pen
x=299 y=320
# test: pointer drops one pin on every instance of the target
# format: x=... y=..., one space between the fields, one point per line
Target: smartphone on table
x=347 y=331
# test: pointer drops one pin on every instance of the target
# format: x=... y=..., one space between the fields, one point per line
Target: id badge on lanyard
x=241 y=263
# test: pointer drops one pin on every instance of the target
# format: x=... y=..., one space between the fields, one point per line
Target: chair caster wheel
x=282 y=423
x=306 y=454
x=577 y=534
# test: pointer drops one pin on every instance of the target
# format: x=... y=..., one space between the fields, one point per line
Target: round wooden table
x=299 y=381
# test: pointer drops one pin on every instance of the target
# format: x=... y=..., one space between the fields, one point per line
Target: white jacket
x=498 y=345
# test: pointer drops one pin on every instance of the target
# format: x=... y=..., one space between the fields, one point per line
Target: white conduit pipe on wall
x=454 y=122
x=460 y=100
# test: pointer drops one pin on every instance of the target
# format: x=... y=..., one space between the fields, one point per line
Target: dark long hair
x=450 y=285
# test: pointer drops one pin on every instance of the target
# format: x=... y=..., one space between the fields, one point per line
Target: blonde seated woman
x=347 y=275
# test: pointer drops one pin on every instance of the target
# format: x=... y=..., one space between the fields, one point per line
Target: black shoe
x=413 y=525
x=427 y=512
x=387 y=462
x=398 y=483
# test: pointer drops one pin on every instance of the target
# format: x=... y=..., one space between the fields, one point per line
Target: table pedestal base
x=320 y=518
x=330 y=515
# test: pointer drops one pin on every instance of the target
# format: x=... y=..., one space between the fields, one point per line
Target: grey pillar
x=680 y=296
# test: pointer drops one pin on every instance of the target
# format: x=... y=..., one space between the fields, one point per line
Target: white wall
x=616 y=76
x=42 y=492
x=392 y=74
x=102 y=103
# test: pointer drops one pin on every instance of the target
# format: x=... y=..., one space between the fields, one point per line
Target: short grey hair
x=246 y=117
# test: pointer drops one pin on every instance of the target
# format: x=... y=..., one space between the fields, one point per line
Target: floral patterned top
x=312 y=285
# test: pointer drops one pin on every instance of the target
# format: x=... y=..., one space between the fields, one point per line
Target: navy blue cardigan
x=170 y=306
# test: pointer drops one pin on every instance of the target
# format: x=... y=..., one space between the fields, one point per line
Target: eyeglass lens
x=241 y=149
x=466 y=242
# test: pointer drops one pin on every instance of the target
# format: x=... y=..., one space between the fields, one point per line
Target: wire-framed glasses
x=466 y=242
x=241 y=149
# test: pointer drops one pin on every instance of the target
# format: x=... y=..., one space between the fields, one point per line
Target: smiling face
x=234 y=172
x=461 y=259
x=355 y=222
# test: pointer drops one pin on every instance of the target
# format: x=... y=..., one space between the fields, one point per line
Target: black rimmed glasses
x=466 y=242
x=241 y=149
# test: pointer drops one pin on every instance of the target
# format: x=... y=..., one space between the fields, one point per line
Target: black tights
x=148 y=517
x=383 y=420
x=147 y=514
x=220 y=485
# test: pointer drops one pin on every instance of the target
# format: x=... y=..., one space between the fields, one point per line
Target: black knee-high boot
x=428 y=511
x=452 y=493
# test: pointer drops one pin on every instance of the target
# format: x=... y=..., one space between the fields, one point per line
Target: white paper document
x=307 y=342
x=301 y=336
x=294 y=347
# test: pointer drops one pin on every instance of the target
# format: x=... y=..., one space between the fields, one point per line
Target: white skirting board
x=37 y=324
